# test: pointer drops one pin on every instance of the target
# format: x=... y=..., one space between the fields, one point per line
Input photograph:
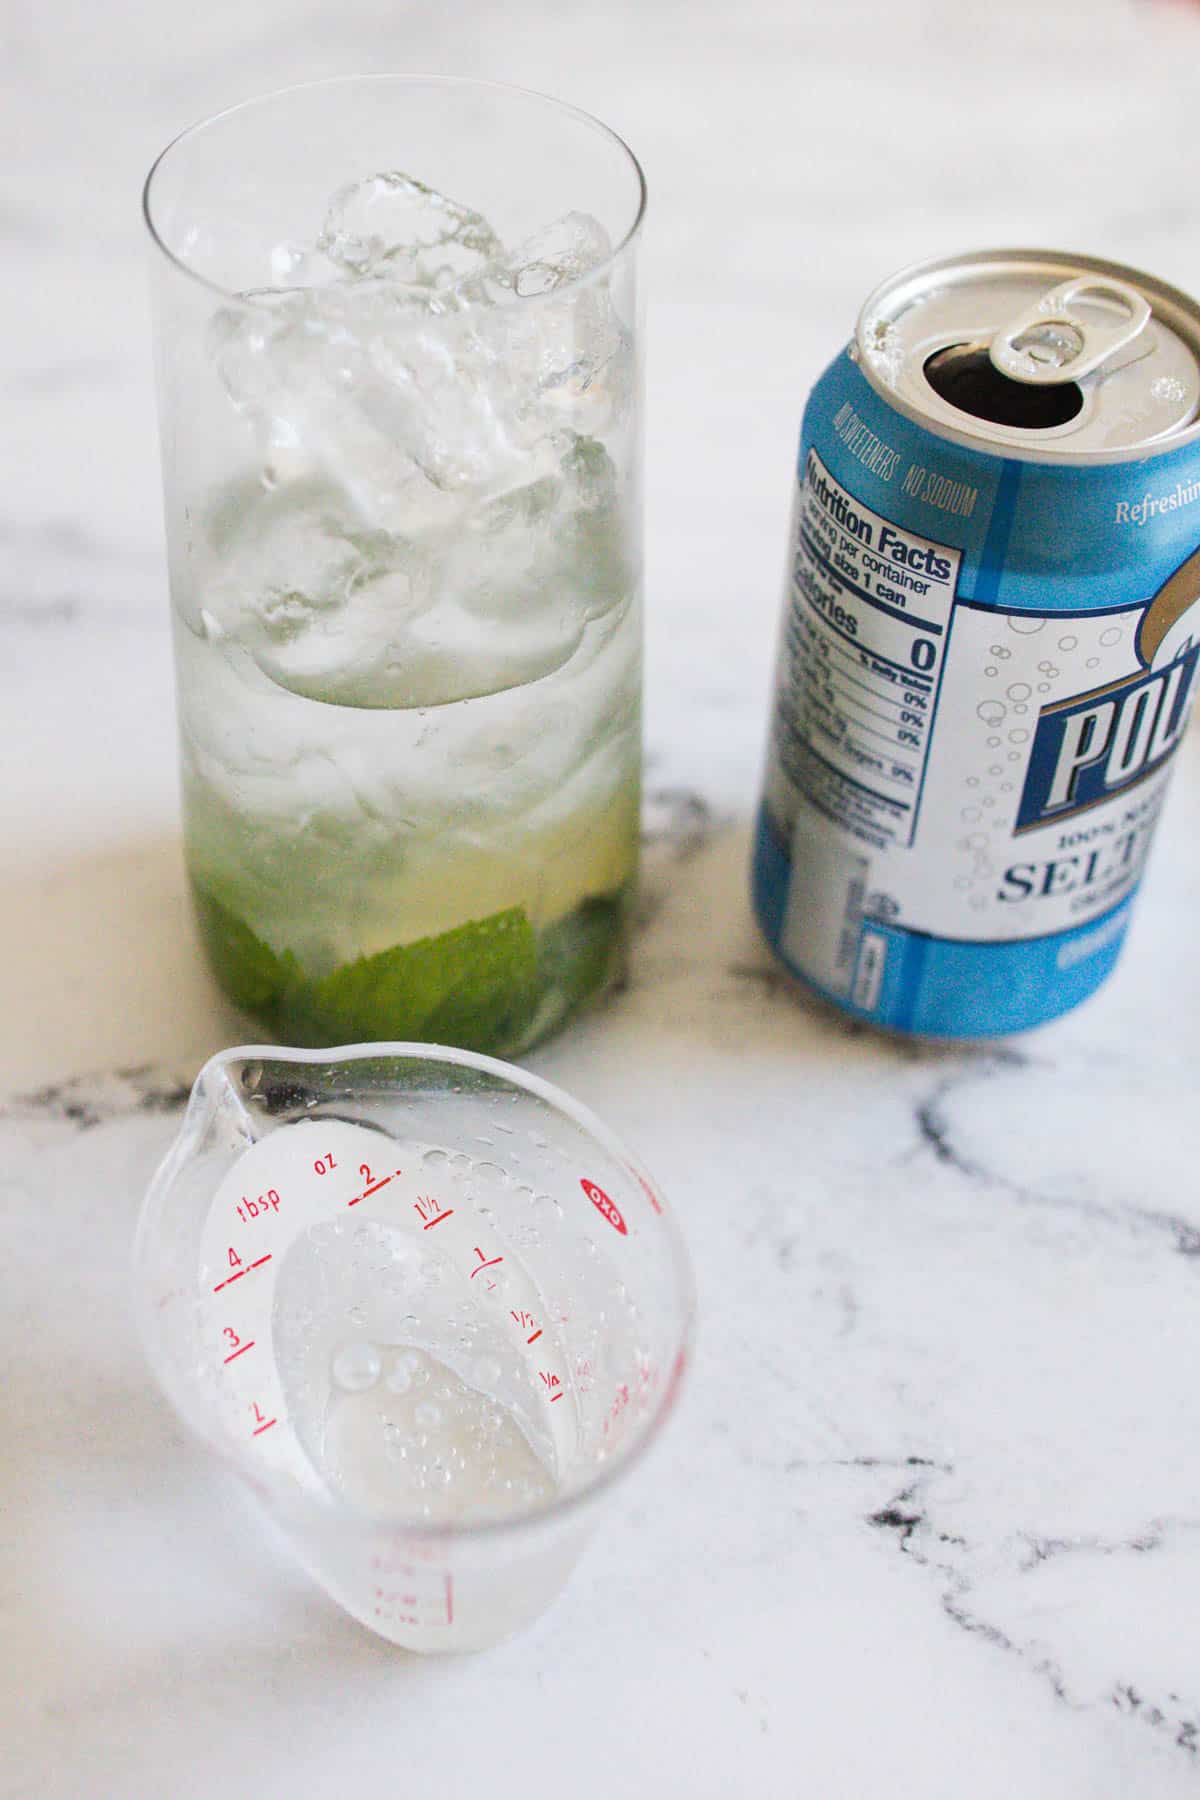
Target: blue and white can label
x=986 y=666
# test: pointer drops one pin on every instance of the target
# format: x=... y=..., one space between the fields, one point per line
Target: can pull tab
x=1047 y=343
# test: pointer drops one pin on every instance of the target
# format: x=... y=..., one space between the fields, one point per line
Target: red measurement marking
x=241 y=1272
x=553 y=1382
x=483 y=1263
x=620 y=1402
x=449 y=1599
x=604 y=1205
x=537 y=1334
x=430 y=1211
x=373 y=1189
x=234 y=1354
x=259 y=1429
x=650 y=1194
x=557 y=1396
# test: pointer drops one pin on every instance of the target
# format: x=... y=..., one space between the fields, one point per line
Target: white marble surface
x=929 y=1521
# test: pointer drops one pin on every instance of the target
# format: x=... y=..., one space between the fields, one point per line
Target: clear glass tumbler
x=398 y=359
x=427 y=1307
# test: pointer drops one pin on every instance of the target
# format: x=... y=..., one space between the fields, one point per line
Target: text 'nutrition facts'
x=865 y=644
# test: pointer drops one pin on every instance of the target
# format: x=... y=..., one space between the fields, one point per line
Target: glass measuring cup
x=427 y=1306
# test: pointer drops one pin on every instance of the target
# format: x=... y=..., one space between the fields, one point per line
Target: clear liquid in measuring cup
x=402 y=1389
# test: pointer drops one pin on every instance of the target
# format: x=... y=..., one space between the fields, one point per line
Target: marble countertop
x=928 y=1522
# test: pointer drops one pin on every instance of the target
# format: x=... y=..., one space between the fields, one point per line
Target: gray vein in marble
x=91 y=1100
x=909 y=1515
x=679 y=819
x=935 y=1127
x=677 y=825
x=56 y=571
x=71 y=372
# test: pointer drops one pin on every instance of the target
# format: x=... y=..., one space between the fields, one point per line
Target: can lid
x=1046 y=356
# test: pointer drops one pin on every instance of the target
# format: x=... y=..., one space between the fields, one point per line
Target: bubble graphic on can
x=995 y=567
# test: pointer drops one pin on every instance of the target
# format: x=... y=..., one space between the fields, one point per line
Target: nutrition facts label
x=865 y=642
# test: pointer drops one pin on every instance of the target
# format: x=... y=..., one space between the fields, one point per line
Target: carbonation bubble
x=972 y=781
x=1006 y=787
x=1020 y=690
x=403 y=1373
x=1020 y=709
x=991 y=711
x=1043 y=687
x=995 y=649
x=1093 y=662
x=995 y=768
x=434 y=1157
x=991 y=669
x=977 y=841
x=1113 y=635
x=1014 y=756
x=1046 y=668
x=1018 y=735
x=1068 y=642
x=994 y=742
x=971 y=814
x=356 y=1367
x=1024 y=625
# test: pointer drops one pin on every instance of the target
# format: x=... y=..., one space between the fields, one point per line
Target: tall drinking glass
x=398 y=359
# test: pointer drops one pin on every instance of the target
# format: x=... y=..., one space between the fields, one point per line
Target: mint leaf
x=248 y=970
x=478 y=985
x=460 y=987
x=578 y=955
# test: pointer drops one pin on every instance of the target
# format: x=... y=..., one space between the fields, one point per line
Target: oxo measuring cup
x=427 y=1306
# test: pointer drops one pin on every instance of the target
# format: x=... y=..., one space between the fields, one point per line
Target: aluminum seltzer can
x=990 y=640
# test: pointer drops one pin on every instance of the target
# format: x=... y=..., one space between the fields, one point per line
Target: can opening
x=965 y=377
